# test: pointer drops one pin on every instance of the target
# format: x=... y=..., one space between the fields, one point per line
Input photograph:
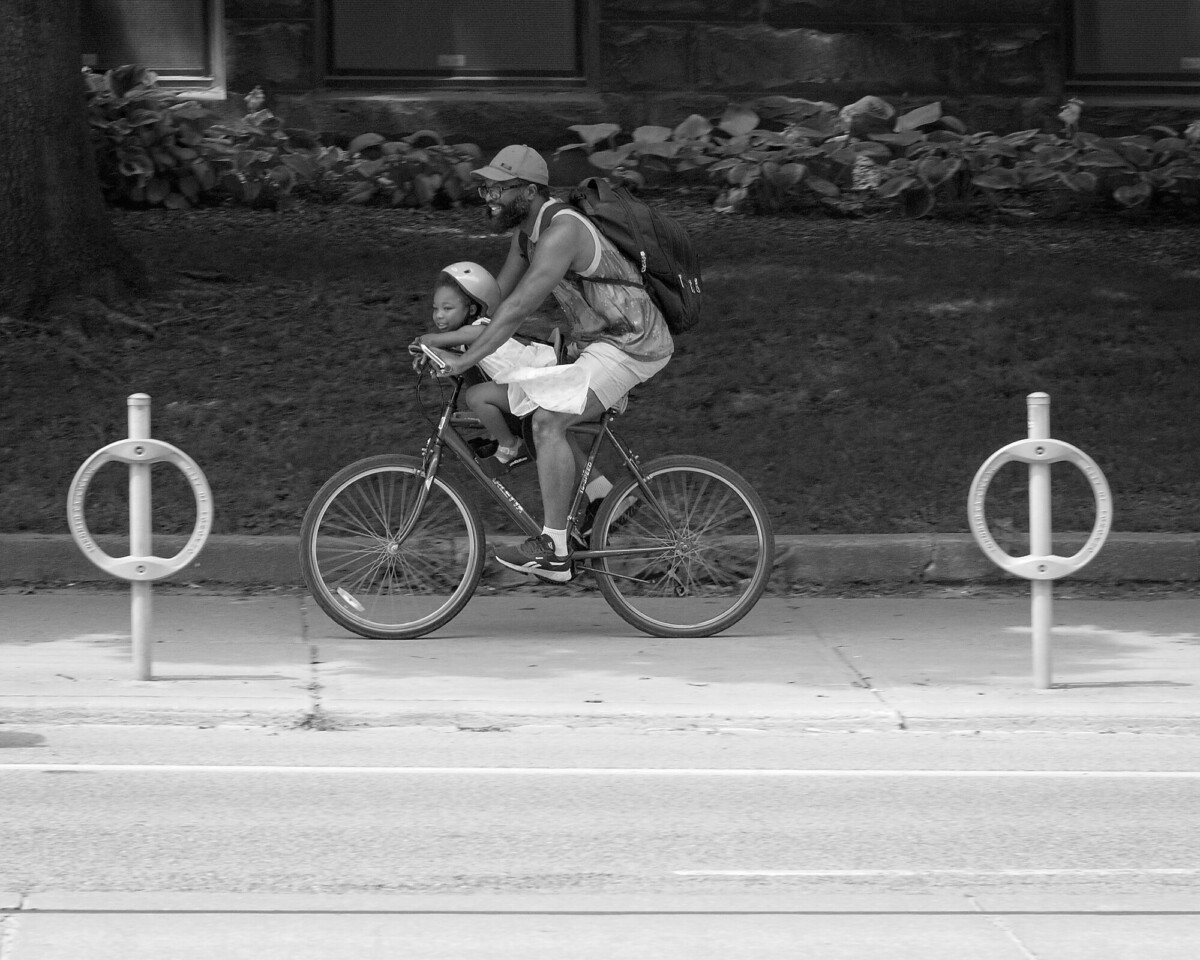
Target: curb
x=478 y=719
x=821 y=559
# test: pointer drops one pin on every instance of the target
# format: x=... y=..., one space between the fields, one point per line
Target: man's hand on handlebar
x=450 y=363
x=454 y=365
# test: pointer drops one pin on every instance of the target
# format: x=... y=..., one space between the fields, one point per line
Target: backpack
x=655 y=243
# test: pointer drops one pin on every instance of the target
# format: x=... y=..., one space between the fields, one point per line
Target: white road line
x=600 y=771
x=1115 y=873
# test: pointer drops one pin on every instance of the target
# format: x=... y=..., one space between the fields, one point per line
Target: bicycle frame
x=446 y=434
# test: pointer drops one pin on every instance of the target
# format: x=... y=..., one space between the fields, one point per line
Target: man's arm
x=560 y=247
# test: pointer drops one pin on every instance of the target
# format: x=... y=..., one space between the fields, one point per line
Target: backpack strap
x=609 y=280
x=595 y=192
x=548 y=213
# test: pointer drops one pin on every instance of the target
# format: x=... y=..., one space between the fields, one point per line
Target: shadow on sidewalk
x=1122 y=683
x=225 y=676
x=17 y=738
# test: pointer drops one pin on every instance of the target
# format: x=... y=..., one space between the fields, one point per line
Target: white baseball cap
x=516 y=162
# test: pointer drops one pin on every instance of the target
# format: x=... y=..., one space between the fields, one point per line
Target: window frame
x=210 y=85
x=1178 y=81
x=587 y=47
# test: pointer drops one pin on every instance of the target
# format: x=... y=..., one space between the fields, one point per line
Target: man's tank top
x=624 y=316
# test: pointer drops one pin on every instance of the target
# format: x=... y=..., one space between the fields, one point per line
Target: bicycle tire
x=718 y=548
x=366 y=580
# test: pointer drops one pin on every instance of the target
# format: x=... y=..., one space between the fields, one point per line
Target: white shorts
x=512 y=354
x=602 y=368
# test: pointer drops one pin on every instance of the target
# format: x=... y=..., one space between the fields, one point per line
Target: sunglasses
x=492 y=191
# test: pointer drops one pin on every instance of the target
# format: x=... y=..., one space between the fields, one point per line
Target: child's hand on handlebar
x=448 y=363
x=418 y=358
x=443 y=363
x=420 y=351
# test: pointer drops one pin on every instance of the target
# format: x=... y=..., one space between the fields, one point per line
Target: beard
x=506 y=216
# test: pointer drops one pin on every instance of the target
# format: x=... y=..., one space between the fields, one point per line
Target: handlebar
x=425 y=358
x=432 y=357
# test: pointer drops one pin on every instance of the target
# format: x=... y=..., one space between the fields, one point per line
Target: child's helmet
x=475 y=281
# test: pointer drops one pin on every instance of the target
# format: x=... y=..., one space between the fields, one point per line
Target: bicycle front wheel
x=701 y=548
x=362 y=569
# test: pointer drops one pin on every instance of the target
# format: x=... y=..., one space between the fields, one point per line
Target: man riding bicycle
x=620 y=334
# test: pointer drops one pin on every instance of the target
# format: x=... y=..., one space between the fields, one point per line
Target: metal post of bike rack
x=141 y=567
x=141 y=598
x=1041 y=592
x=1040 y=566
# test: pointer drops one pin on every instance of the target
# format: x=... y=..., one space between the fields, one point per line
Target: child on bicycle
x=464 y=298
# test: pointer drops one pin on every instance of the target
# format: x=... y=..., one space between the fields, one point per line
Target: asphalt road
x=435 y=812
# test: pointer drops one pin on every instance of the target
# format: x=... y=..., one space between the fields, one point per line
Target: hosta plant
x=410 y=172
x=148 y=148
x=258 y=162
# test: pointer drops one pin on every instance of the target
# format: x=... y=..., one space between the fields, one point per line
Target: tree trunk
x=56 y=240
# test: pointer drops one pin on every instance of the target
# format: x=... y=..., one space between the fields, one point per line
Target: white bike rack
x=1040 y=566
x=141 y=567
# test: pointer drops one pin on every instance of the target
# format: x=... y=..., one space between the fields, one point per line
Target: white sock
x=560 y=540
x=598 y=487
x=504 y=454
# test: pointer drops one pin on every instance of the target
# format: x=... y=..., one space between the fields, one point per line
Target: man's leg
x=611 y=374
x=558 y=457
x=548 y=555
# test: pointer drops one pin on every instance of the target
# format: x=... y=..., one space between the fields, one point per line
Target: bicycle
x=392 y=548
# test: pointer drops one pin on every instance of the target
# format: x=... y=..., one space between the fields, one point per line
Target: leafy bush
x=401 y=173
x=155 y=151
x=1134 y=172
x=259 y=162
x=788 y=155
x=653 y=149
x=148 y=149
x=794 y=162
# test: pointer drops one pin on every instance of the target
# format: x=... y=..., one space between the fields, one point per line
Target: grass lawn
x=857 y=372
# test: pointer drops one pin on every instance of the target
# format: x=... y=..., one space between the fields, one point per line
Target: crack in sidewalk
x=1004 y=927
x=9 y=921
x=864 y=682
x=315 y=718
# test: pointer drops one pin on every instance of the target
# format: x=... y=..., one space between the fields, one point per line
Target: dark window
x=170 y=38
x=446 y=39
x=1136 y=40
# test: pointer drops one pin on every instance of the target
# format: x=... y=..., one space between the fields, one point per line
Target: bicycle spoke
x=354 y=521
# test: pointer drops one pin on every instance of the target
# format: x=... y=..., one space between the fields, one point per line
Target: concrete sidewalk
x=513 y=661
x=114 y=926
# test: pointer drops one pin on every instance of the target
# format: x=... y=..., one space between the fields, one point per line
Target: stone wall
x=833 y=49
x=819 y=49
x=996 y=64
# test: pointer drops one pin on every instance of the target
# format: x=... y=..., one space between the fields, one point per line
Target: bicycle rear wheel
x=708 y=541
x=363 y=575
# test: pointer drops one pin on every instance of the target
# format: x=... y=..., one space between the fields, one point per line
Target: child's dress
x=532 y=377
